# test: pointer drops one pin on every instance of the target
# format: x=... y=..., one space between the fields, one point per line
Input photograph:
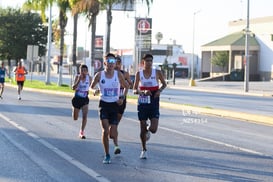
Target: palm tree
x=63 y=5
x=108 y=5
x=91 y=9
x=75 y=35
x=42 y=5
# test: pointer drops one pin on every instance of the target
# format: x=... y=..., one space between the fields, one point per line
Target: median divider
x=221 y=113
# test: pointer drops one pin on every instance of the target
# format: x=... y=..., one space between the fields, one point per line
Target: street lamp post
x=139 y=50
x=47 y=81
x=192 y=82
x=246 y=83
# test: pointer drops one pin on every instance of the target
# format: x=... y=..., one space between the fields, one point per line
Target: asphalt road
x=39 y=143
x=232 y=102
x=216 y=95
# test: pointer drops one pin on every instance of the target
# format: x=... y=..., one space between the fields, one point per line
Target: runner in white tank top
x=109 y=81
x=147 y=87
x=80 y=100
x=109 y=87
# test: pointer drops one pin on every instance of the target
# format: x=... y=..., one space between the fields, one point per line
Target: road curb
x=233 y=92
x=221 y=113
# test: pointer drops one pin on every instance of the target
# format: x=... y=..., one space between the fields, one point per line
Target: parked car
x=180 y=74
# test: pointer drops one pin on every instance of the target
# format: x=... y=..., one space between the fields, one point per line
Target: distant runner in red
x=20 y=72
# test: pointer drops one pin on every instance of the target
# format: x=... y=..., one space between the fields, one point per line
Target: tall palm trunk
x=63 y=22
x=93 y=38
x=92 y=16
x=74 y=48
x=9 y=66
x=108 y=28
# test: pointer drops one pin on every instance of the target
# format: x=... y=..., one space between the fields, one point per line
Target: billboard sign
x=144 y=33
x=98 y=62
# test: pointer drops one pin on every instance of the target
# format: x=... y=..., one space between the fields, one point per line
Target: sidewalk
x=257 y=88
x=263 y=89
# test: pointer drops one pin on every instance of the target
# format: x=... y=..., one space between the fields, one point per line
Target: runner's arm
x=128 y=79
x=135 y=87
x=123 y=83
x=94 y=82
x=162 y=80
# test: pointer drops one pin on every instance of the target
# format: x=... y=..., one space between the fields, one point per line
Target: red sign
x=143 y=26
x=183 y=61
x=99 y=42
x=97 y=64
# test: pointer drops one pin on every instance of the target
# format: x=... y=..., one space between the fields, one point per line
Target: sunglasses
x=111 y=60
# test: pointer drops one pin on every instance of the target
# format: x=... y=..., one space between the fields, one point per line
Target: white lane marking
x=60 y=153
x=207 y=139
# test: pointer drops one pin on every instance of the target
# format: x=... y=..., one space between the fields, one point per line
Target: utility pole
x=192 y=82
x=47 y=81
x=246 y=83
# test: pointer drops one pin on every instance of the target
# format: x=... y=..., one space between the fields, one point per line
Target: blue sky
x=175 y=20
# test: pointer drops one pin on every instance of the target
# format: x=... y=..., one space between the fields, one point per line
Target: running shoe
x=81 y=135
x=1 y=97
x=148 y=135
x=117 y=150
x=143 y=154
x=107 y=159
x=19 y=97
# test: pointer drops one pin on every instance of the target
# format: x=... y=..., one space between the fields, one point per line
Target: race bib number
x=144 y=99
x=2 y=76
x=81 y=94
x=110 y=92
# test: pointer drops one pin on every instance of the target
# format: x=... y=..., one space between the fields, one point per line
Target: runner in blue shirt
x=3 y=73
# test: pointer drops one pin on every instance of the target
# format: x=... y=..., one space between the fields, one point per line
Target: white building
x=263 y=30
x=260 y=49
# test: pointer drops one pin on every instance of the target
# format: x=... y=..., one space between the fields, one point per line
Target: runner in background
x=123 y=93
x=3 y=73
x=80 y=100
x=20 y=72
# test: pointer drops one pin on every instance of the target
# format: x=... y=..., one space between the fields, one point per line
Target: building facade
x=260 y=50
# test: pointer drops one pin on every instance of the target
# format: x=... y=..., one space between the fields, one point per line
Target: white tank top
x=109 y=87
x=148 y=83
x=83 y=87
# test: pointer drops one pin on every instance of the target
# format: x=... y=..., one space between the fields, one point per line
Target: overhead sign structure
x=144 y=33
x=98 y=62
x=143 y=39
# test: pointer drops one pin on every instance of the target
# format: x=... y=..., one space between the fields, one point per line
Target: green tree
x=220 y=59
x=63 y=6
x=56 y=32
x=18 y=30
